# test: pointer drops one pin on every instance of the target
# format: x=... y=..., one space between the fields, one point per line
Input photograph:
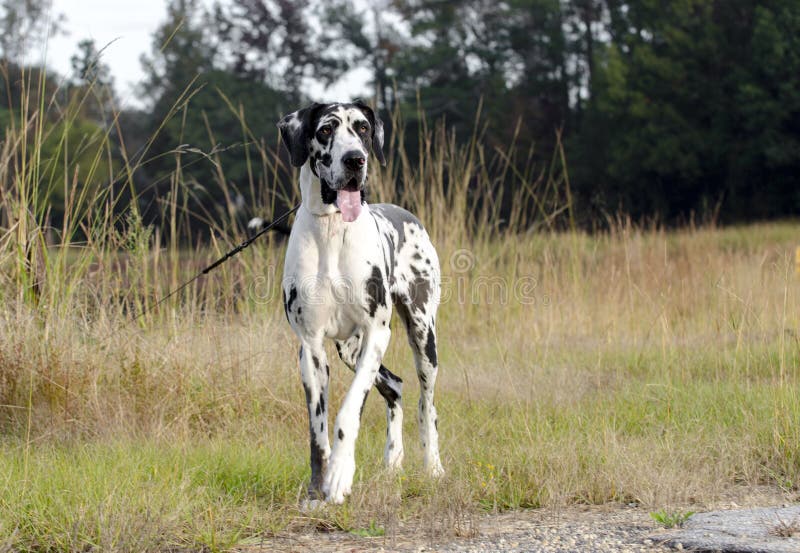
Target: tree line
x=666 y=109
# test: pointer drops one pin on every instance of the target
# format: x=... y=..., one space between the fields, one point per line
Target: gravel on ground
x=603 y=528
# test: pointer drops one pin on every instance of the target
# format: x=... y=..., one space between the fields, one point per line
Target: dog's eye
x=326 y=130
x=363 y=128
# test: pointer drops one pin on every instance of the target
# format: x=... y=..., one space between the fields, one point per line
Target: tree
x=91 y=78
x=695 y=106
x=194 y=114
x=764 y=160
x=182 y=49
x=25 y=23
x=368 y=37
x=509 y=55
x=88 y=68
x=272 y=41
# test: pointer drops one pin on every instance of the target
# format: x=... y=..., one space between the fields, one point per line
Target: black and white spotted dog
x=347 y=264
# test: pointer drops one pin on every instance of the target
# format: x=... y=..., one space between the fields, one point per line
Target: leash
x=219 y=261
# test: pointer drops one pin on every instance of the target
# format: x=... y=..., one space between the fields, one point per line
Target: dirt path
x=574 y=529
x=603 y=528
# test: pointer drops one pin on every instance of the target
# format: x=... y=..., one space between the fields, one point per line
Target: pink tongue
x=349 y=202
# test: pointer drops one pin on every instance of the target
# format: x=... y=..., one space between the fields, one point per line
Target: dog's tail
x=255 y=225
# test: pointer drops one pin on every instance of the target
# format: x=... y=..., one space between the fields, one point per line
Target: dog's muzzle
x=354 y=161
x=348 y=197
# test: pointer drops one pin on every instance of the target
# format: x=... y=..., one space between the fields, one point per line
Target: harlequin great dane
x=347 y=263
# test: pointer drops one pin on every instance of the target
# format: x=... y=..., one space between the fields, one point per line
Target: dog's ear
x=377 y=130
x=296 y=132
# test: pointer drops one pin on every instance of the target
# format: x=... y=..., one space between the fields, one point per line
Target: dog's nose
x=354 y=160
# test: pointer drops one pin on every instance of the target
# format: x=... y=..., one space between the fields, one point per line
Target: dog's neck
x=311 y=193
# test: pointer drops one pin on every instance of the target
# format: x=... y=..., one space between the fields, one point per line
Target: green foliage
x=371 y=531
x=66 y=146
x=671 y=519
x=23 y=22
x=667 y=110
x=696 y=103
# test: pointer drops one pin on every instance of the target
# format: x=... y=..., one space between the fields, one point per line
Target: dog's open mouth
x=348 y=200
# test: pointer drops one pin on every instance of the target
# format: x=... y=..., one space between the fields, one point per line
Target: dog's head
x=336 y=140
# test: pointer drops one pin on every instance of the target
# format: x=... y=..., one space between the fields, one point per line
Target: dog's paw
x=435 y=468
x=338 y=480
x=393 y=456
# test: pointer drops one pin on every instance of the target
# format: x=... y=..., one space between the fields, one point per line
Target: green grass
x=661 y=436
x=673 y=383
x=143 y=495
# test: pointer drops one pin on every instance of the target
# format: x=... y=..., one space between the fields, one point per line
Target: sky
x=125 y=28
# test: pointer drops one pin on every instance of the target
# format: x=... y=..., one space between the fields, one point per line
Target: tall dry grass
x=637 y=364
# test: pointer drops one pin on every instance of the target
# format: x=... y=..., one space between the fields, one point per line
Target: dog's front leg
x=338 y=480
x=315 y=372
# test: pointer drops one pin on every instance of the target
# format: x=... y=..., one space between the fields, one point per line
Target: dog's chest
x=334 y=280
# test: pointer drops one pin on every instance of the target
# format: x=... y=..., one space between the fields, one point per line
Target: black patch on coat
x=296 y=137
x=398 y=217
x=402 y=311
x=317 y=459
x=387 y=392
x=317 y=469
x=328 y=194
x=374 y=141
x=419 y=290
x=376 y=291
x=288 y=303
x=363 y=404
x=341 y=434
x=430 y=347
x=386 y=374
x=323 y=140
x=321 y=402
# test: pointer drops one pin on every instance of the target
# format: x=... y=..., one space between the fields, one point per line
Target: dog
x=348 y=264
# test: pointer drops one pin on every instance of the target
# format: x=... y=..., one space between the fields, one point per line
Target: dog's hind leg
x=421 y=332
x=425 y=359
x=390 y=386
x=315 y=373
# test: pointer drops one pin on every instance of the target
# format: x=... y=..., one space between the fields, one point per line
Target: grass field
x=629 y=365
